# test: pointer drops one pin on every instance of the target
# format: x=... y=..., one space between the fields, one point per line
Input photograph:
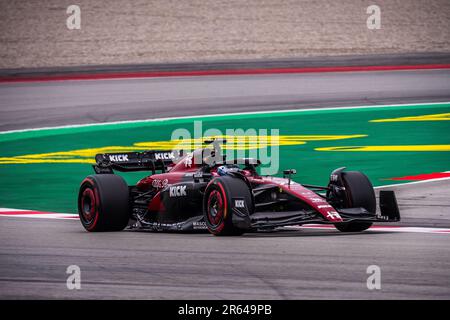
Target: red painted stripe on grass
x=154 y=74
x=425 y=176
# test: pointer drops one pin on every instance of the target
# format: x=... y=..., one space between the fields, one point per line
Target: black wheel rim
x=88 y=206
x=215 y=208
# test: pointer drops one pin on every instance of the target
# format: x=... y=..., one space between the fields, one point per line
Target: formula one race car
x=203 y=190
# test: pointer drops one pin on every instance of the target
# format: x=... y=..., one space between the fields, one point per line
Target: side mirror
x=289 y=173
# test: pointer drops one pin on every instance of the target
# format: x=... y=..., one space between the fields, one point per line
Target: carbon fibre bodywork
x=172 y=198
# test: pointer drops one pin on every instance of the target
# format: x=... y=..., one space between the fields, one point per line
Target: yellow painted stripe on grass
x=414 y=148
x=233 y=142
x=427 y=117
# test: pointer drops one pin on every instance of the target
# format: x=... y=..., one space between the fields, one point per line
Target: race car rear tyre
x=103 y=203
x=217 y=204
x=359 y=193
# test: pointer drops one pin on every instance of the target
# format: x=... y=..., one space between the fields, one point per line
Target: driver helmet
x=222 y=170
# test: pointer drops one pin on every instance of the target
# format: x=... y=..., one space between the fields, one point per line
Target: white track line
x=19 y=213
x=62 y=216
x=9 y=209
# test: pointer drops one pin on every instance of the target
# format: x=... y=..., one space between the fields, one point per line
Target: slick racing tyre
x=217 y=204
x=359 y=193
x=103 y=203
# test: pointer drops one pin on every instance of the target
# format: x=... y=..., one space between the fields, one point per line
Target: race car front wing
x=389 y=212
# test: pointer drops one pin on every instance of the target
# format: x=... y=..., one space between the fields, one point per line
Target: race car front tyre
x=103 y=203
x=359 y=193
x=217 y=204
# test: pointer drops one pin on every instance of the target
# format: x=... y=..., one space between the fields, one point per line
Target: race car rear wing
x=154 y=160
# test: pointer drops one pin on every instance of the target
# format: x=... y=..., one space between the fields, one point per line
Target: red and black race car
x=203 y=190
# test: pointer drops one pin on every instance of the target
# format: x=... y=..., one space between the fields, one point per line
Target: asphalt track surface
x=305 y=264
x=43 y=104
